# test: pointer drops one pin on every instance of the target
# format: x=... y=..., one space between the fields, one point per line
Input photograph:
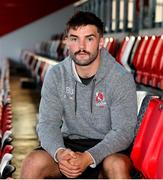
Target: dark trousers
x=82 y=145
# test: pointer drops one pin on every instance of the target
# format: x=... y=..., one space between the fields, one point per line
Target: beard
x=85 y=61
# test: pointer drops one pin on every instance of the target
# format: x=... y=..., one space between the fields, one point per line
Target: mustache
x=84 y=51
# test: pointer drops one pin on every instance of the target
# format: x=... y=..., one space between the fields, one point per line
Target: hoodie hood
x=106 y=64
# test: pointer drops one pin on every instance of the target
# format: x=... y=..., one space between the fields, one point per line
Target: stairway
x=25 y=107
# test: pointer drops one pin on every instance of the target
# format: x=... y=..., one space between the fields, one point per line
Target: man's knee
x=116 y=164
x=36 y=163
x=34 y=160
x=117 y=161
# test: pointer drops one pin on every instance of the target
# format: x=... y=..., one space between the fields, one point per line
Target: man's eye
x=90 y=39
x=73 y=39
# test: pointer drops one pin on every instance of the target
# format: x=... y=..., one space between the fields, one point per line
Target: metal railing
x=125 y=15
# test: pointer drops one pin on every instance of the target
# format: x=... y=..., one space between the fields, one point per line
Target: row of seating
x=143 y=56
x=37 y=65
x=149 y=66
x=55 y=48
x=6 y=168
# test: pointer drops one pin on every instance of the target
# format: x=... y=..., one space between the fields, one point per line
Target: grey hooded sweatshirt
x=104 y=109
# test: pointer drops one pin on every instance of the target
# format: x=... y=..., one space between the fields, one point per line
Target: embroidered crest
x=100 y=99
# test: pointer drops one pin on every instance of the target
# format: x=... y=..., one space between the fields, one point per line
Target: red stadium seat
x=111 y=45
x=157 y=64
x=140 y=55
x=147 y=151
x=146 y=66
x=125 y=51
x=122 y=49
x=137 y=51
x=160 y=84
x=7 y=149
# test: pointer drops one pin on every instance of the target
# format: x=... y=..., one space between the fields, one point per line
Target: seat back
x=156 y=63
x=122 y=49
x=147 y=152
x=111 y=45
x=127 y=52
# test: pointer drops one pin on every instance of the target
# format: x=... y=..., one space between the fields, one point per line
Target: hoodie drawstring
x=75 y=97
x=92 y=92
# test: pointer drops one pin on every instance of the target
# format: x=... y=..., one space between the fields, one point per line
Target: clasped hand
x=73 y=164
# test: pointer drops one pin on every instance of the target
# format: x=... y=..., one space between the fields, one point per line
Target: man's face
x=84 y=44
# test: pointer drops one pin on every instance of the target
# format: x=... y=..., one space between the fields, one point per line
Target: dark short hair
x=83 y=18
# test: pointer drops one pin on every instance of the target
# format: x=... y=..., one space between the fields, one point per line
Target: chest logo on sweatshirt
x=69 y=93
x=100 y=99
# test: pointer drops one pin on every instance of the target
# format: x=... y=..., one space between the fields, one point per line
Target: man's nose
x=82 y=45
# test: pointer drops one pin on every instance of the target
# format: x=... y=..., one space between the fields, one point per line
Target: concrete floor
x=25 y=103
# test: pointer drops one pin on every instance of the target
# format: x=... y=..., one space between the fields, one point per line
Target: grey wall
x=28 y=36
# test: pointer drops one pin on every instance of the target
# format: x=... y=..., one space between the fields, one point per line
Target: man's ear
x=101 y=43
x=66 y=42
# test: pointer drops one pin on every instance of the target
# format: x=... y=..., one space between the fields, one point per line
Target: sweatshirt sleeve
x=50 y=116
x=123 y=119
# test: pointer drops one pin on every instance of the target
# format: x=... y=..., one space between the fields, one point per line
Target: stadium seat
x=8 y=171
x=147 y=62
x=157 y=64
x=5 y=161
x=7 y=149
x=111 y=45
x=140 y=55
x=147 y=149
x=6 y=138
x=124 y=52
x=39 y=70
